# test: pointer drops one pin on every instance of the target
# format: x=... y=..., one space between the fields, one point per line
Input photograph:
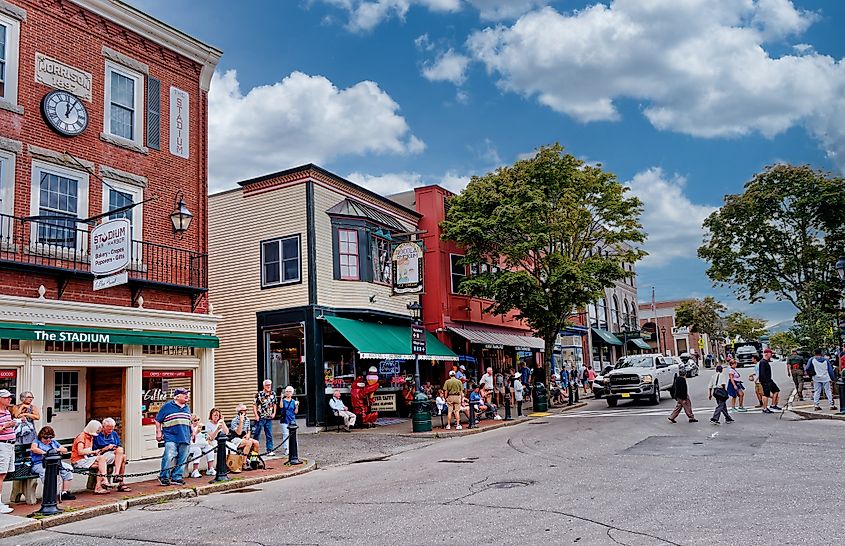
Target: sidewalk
x=806 y=409
x=146 y=491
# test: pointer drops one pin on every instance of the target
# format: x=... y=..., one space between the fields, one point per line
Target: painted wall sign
x=111 y=246
x=112 y=280
x=680 y=330
x=407 y=269
x=384 y=402
x=179 y=122
x=8 y=374
x=59 y=75
x=161 y=374
x=78 y=337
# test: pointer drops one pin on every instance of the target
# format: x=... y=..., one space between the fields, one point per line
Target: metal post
x=471 y=415
x=222 y=471
x=508 y=416
x=293 y=447
x=417 y=372
x=49 y=499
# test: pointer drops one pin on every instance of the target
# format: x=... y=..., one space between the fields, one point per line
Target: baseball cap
x=463 y=367
x=451 y=372
x=5 y=393
x=179 y=390
x=767 y=350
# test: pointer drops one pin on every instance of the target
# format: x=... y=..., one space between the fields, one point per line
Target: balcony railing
x=61 y=245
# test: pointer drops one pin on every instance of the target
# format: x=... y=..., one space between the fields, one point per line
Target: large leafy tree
x=780 y=237
x=784 y=342
x=746 y=327
x=704 y=316
x=559 y=229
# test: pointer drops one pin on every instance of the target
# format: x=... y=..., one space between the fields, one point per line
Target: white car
x=640 y=376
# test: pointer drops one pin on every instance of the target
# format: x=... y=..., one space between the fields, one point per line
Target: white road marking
x=714 y=435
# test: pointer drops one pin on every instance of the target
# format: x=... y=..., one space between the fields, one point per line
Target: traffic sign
x=417 y=339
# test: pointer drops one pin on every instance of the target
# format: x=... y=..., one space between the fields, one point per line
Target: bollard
x=293 y=448
x=508 y=416
x=841 y=384
x=471 y=423
x=52 y=460
x=222 y=471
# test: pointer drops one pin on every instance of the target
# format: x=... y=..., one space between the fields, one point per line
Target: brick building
x=103 y=113
x=665 y=336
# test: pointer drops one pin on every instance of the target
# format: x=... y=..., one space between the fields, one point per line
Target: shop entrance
x=64 y=392
x=106 y=395
x=285 y=364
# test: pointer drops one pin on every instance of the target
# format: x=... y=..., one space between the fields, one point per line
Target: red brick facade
x=80 y=37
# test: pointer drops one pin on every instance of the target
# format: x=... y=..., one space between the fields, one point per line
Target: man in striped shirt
x=7 y=442
x=173 y=425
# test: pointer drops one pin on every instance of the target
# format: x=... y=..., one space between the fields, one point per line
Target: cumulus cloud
x=389 y=183
x=500 y=10
x=673 y=222
x=699 y=67
x=300 y=119
x=447 y=67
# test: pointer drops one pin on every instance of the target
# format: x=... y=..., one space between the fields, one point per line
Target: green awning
x=381 y=341
x=639 y=343
x=35 y=332
x=605 y=337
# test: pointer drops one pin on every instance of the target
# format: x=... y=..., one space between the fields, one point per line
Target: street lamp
x=181 y=217
x=416 y=311
x=663 y=332
x=840 y=269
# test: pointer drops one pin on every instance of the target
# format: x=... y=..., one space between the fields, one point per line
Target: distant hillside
x=782 y=326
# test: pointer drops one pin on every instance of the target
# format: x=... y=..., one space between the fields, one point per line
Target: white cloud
x=389 y=183
x=673 y=222
x=699 y=67
x=500 y=10
x=298 y=120
x=448 y=67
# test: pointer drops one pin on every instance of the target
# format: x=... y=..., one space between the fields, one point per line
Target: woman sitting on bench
x=42 y=444
x=84 y=456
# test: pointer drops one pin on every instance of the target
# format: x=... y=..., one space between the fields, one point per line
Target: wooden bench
x=24 y=481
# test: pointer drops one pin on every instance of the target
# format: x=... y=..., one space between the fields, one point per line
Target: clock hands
x=69 y=108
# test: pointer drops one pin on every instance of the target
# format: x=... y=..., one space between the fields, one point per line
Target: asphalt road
x=596 y=476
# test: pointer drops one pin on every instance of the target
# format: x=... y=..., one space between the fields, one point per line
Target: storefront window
x=66 y=391
x=157 y=388
x=9 y=381
x=381 y=260
x=10 y=345
x=285 y=361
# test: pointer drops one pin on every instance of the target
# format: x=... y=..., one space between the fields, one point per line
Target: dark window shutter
x=153 y=113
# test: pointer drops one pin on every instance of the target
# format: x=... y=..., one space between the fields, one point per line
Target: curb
x=810 y=415
x=141 y=500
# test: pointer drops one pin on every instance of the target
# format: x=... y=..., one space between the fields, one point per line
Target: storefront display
x=157 y=388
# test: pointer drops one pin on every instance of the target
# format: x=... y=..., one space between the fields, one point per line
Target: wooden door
x=106 y=395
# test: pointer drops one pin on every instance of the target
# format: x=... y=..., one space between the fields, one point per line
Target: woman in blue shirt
x=43 y=443
x=288 y=409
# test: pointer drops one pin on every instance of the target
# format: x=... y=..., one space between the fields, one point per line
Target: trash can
x=420 y=414
x=541 y=398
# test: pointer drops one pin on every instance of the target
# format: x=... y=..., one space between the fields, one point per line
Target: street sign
x=117 y=279
x=417 y=339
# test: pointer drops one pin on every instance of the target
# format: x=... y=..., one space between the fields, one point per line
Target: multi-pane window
x=348 y=252
x=4 y=32
x=458 y=271
x=58 y=200
x=66 y=392
x=280 y=262
x=119 y=199
x=381 y=261
x=122 y=105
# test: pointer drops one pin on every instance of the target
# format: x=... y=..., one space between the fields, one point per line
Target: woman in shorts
x=736 y=390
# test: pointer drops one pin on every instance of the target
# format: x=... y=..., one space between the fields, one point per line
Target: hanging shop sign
x=680 y=330
x=407 y=268
x=111 y=246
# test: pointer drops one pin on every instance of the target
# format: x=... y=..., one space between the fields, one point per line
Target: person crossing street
x=680 y=393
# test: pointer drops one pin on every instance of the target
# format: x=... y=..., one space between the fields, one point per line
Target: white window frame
x=353 y=240
x=137 y=197
x=39 y=167
x=13 y=28
x=452 y=286
x=7 y=183
x=138 y=124
x=279 y=242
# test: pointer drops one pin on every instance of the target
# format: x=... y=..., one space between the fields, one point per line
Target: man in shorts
x=454 y=393
x=771 y=392
x=7 y=442
x=795 y=365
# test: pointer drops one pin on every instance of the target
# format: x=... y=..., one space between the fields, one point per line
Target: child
x=758 y=390
x=441 y=402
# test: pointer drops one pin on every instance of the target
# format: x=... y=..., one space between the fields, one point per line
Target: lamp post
x=416 y=311
x=181 y=217
x=840 y=269
x=663 y=332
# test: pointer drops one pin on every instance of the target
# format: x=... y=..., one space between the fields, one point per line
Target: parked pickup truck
x=640 y=376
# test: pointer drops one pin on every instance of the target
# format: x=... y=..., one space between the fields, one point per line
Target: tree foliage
x=746 y=327
x=815 y=329
x=703 y=316
x=784 y=342
x=559 y=230
x=781 y=236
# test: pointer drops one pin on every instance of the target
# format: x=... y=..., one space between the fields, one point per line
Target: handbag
x=235 y=462
x=719 y=393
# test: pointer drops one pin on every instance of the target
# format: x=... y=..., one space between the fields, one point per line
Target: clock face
x=64 y=113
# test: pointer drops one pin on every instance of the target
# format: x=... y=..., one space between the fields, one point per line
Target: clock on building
x=64 y=112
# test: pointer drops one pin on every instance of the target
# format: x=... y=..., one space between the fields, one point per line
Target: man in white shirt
x=487 y=383
x=340 y=409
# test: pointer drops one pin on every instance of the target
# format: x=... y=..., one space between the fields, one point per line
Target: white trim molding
x=12 y=10
x=125 y=60
x=123 y=176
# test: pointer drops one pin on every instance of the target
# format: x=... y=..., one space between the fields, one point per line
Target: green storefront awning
x=383 y=341
x=35 y=332
x=639 y=343
x=606 y=337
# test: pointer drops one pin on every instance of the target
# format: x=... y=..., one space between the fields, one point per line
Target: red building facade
x=103 y=115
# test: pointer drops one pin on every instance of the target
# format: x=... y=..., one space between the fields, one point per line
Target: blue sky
x=683 y=100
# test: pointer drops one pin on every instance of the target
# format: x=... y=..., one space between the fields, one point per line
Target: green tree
x=559 y=229
x=783 y=342
x=704 y=316
x=780 y=237
x=746 y=327
x=815 y=329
